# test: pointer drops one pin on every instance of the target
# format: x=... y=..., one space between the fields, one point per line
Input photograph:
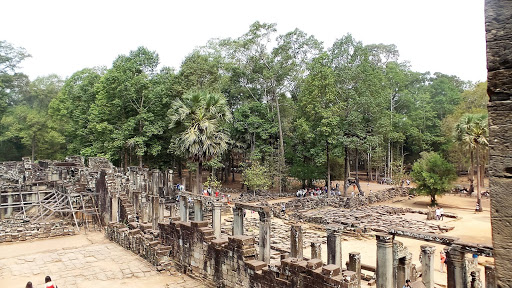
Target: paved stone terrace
x=104 y=264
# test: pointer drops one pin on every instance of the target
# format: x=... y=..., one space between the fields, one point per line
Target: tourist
x=29 y=285
x=475 y=259
x=283 y=209
x=443 y=260
x=438 y=215
x=477 y=208
x=408 y=182
x=407 y=283
x=48 y=282
x=441 y=213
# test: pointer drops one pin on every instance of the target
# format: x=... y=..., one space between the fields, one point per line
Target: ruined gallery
x=86 y=222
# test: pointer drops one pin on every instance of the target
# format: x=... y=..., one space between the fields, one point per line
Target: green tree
x=200 y=117
x=433 y=175
x=256 y=176
x=472 y=133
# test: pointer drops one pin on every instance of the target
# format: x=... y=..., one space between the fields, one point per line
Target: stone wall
x=498 y=26
x=192 y=248
x=14 y=232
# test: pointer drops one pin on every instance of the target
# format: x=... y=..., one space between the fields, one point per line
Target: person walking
x=443 y=260
x=48 y=283
x=441 y=213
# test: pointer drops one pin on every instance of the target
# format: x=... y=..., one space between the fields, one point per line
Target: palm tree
x=473 y=131
x=200 y=116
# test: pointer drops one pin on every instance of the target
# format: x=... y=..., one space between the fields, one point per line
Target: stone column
x=427 y=265
x=334 y=248
x=216 y=218
x=155 y=200
x=296 y=241
x=183 y=208
x=384 y=260
x=316 y=250
x=198 y=210
x=354 y=264
x=161 y=210
x=264 y=240
x=9 y=208
x=170 y=186
x=456 y=267
x=490 y=277
x=238 y=221
x=115 y=209
x=499 y=88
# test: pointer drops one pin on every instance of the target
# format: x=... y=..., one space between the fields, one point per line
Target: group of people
x=439 y=213
x=317 y=192
x=48 y=283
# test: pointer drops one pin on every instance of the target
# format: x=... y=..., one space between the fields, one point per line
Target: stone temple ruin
x=140 y=210
x=144 y=213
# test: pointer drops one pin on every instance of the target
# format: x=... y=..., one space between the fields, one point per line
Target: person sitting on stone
x=48 y=283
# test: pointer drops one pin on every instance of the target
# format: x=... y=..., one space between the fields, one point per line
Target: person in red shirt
x=443 y=260
x=48 y=282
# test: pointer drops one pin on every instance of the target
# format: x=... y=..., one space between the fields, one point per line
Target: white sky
x=63 y=37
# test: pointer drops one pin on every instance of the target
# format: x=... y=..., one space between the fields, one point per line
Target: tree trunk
x=432 y=200
x=281 y=144
x=140 y=133
x=478 y=196
x=33 y=148
x=472 y=173
x=328 y=169
x=347 y=172
x=199 y=177
x=357 y=171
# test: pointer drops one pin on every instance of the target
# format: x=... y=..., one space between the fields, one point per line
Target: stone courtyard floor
x=82 y=261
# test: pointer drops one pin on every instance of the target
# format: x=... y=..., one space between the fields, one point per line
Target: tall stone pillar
x=498 y=15
x=384 y=260
x=490 y=277
x=238 y=221
x=169 y=184
x=264 y=240
x=183 y=208
x=296 y=241
x=114 y=217
x=198 y=210
x=216 y=218
x=161 y=210
x=427 y=265
x=9 y=202
x=334 y=248
x=354 y=264
x=316 y=250
x=456 y=267
x=155 y=211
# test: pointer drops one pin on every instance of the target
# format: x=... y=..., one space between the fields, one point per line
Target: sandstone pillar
x=169 y=184
x=161 y=210
x=498 y=15
x=183 y=208
x=198 y=210
x=296 y=241
x=264 y=239
x=238 y=221
x=456 y=267
x=384 y=260
x=9 y=207
x=334 y=248
x=115 y=209
x=490 y=277
x=354 y=264
x=155 y=211
x=216 y=218
x=316 y=250
x=427 y=265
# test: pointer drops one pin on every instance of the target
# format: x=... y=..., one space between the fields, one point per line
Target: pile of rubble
x=369 y=219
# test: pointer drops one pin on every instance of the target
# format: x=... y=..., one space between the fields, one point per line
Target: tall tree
x=433 y=175
x=201 y=116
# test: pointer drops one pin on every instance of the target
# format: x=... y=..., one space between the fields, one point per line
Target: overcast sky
x=63 y=37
